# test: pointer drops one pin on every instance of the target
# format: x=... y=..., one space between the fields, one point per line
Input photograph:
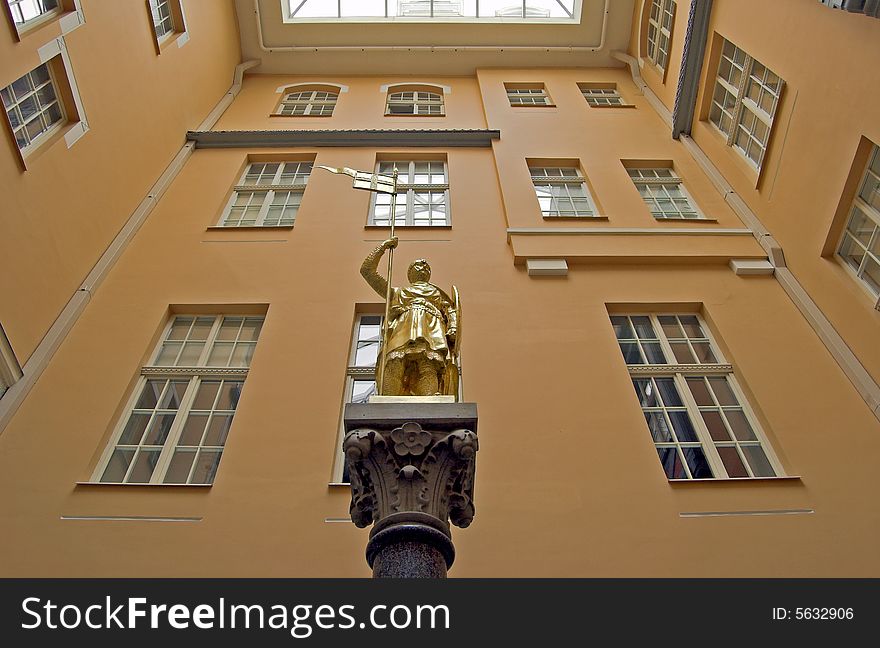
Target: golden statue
x=419 y=356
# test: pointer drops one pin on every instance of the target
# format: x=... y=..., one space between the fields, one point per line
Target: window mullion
x=174 y=433
x=709 y=450
x=661 y=337
x=264 y=208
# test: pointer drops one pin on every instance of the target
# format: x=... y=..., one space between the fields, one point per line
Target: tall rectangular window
x=663 y=193
x=562 y=192
x=744 y=102
x=693 y=408
x=422 y=194
x=660 y=31
x=860 y=245
x=33 y=107
x=176 y=425
x=268 y=194
x=168 y=19
x=360 y=376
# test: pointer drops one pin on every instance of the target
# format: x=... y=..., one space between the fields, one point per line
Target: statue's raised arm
x=370 y=267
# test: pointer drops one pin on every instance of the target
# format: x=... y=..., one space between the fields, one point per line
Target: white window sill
x=247 y=228
x=88 y=484
x=729 y=480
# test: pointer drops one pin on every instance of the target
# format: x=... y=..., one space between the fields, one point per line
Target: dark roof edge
x=369 y=138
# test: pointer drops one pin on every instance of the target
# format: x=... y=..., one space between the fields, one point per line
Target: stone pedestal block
x=412 y=471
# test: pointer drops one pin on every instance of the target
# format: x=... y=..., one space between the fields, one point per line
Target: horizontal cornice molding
x=367 y=137
x=618 y=231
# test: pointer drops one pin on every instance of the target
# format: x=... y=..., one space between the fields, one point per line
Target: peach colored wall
x=829 y=103
x=360 y=105
x=568 y=481
x=62 y=213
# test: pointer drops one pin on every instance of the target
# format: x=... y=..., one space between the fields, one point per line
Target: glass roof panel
x=434 y=10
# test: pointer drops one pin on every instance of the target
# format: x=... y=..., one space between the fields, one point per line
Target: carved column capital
x=414 y=461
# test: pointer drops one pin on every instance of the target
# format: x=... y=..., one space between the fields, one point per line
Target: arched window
x=308 y=103
x=415 y=101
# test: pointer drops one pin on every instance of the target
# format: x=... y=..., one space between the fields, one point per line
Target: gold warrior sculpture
x=420 y=349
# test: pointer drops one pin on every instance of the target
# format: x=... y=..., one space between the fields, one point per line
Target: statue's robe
x=420 y=315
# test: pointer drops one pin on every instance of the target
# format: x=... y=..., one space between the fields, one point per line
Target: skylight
x=523 y=11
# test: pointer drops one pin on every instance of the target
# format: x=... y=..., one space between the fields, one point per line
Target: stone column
x=411 y=465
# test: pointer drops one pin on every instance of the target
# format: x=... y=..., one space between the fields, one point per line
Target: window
x=602 y=96
x=27 y=12
x=534 y=95
x=744 y=102
x=660 y=31
x=663 y=193
x=562 y=192
x=860 y=245
x=268 y=195
x=33 y=106
x=414 y=102
x=168 y=19
x=176 y=425
x=360 y=380
x=308 y=103
x=422 y=194
x=692 y=404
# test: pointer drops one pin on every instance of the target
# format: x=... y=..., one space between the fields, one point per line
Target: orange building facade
x=672 y=341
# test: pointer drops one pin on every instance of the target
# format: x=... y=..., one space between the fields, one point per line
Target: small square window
x=168 y=20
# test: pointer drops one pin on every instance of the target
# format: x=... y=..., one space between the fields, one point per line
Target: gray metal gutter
x=353 y=138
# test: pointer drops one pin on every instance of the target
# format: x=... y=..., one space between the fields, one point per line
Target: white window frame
x=671 y=181
x=406 y=194
x=423 y=102
x=661 y=12
x=562 y=180
x=314 y=101
x=518 y=95
x=680 y=373
x=50 y=129
x=176 y=17
x=743 y=109
x=872 y=214
x=603 y=96
x=271 y=189
x=354 y=372
x=194 y=375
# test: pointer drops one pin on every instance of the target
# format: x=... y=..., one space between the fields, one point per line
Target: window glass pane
x=646 y=392
x=143 y=466
x=205 y=467
x=362 y=390
x=732 y=462
x=134 y=429
x=658 y=427
x=758 y=461
x=218 y=430
x=740 y=425
x=193 y=430
x=715 y=425
x=631 y=353
x=229 y=395
x=684 y=429
x=668 y=392
x=159 y=428
x=700 y=391
x=697 y=463
x=654 y=353
x=672 y=464
x=723 y=392
x=181 y=462
x=150 y=394
x=643 y=328
x=206 y=395
x=622 y=328
x=117 y=466
x=682 y=353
